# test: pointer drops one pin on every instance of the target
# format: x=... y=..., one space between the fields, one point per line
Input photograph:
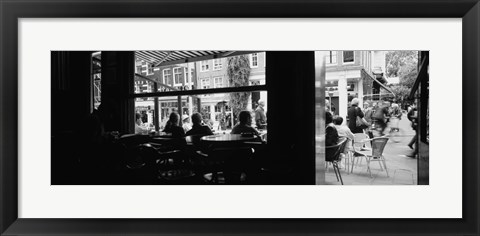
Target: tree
x=238 y=72
x=403 y=64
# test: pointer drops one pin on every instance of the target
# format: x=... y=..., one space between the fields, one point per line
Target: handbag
x=361 y=122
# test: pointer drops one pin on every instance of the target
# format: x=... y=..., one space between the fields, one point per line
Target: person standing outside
x=353 y=112
x=412 y=116
x=260 y=118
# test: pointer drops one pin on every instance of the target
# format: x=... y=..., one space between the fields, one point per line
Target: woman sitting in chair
x=331 y=133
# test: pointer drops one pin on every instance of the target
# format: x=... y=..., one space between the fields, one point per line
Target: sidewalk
x=402 y=170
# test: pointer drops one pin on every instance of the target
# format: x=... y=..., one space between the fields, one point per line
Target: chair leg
x=335 y=165
x=335 y=170
x=367 y=159
x=380 y=164
x=384 y=164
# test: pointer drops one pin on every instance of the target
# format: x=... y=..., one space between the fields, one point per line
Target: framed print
x=94 y=95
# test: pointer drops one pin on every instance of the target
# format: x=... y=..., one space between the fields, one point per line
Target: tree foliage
x=402 y=64
x=238 y=72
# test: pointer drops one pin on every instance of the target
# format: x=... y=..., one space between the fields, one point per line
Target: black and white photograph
x=376 y=118
x=170 y=118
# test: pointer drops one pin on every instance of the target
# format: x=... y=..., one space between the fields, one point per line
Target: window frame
x=336 y=58
x=163 y=76
x=215 y=82
x=214 y=64
x=251 y=60
x=343 y=58
x=207 y=66
x=179 y=73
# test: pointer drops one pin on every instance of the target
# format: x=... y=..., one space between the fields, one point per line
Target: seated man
x=197 y=127
x=244 y=126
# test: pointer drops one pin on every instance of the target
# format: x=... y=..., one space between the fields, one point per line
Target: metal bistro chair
x=332 y=154
x=378 y=145
x=361 y=142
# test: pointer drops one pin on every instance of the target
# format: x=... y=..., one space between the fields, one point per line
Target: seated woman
x=244 y=126
x=139 y=126
x=197 y=127
x=173 y=127
x=331 y=134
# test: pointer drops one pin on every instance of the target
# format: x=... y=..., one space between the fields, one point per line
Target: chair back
x=332 y=153
x=358 y=141
x=378 y=144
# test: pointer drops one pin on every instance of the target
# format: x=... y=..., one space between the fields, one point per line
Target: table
x=217 y=138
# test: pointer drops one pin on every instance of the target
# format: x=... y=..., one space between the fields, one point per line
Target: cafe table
x=223 y=138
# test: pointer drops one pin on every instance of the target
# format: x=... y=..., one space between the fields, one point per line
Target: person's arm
x=360 y=112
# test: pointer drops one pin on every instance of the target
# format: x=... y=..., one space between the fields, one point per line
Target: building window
x=253 y=60
x=167 y=77
x=138 y=69
x=178 y=75
x=204 y=66
x=218 y=82
x=217 y=64
x=348 y=57
x=149 y=69
x=331 y=57
x=205 y=83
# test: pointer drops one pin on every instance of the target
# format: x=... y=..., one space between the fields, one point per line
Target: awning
x=365 y=74
x=163 y=58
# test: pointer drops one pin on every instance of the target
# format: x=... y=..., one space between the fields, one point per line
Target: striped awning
x=163 y=58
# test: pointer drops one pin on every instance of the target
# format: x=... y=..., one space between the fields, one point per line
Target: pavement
x=402 y=170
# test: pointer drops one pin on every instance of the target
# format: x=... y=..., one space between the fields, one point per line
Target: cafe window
x=217 y=64
x=178 y=76
x=253 y=60
x=348 y=57
x=205 y=66
x=228 y=93
x=167 y=76
x=331 y=58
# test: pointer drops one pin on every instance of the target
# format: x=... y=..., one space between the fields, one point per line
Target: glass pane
x=235 y=71
x=97 y=78
x=348 y=56
x=219 y=111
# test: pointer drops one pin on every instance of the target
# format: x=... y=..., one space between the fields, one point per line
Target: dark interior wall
x=71 y=85
x=291 y=127
x=118 y=73
x=422 y=103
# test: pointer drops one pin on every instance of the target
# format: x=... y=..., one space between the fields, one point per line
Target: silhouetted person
x=197 y=127
x=173 y=126
x=331 y=134
x=244 y=126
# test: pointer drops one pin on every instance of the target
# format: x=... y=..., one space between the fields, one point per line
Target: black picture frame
x=11 y=11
